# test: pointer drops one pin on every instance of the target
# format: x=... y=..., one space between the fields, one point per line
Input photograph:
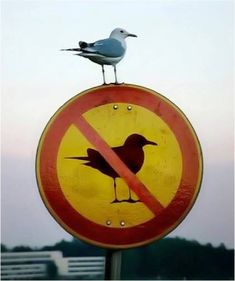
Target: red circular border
x=87 y=230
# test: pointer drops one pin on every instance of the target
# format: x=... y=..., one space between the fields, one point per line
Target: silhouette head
x=137 y=140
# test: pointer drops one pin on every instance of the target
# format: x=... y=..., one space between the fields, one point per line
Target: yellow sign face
x=119 y=166
x=90 y=192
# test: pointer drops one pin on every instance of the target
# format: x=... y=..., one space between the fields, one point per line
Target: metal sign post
x=113 y=265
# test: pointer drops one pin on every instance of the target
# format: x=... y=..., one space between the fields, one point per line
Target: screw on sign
x=119 y=166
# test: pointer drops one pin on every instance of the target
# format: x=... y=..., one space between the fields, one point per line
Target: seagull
x=131 y=153
x=106 y=51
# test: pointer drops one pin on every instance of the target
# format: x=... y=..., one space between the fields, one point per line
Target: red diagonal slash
x=118 y=165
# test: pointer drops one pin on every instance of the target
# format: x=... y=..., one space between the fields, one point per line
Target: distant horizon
x=83 y=242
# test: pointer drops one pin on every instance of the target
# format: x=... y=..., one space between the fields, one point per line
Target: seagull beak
x=131 y=35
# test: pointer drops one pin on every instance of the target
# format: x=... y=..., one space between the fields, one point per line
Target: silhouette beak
x=151 y=142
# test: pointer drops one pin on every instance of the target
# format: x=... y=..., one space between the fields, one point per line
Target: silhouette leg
x=115 y=191
x=130 y=199
x=129 y=194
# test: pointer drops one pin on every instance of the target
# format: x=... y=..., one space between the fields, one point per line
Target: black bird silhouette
x=131 y=153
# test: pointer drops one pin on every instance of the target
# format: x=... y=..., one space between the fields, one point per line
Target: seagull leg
x=115 y=73
x=103 y=75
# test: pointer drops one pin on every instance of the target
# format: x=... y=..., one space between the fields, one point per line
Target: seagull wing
x=106 y=47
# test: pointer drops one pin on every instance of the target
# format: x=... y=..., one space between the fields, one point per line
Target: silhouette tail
x=77 y=158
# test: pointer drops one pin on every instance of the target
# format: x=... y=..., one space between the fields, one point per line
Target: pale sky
x=184 y=51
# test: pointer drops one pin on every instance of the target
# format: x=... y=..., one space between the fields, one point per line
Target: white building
x=34 y=265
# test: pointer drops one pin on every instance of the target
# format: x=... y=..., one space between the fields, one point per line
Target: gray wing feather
x=106 y=47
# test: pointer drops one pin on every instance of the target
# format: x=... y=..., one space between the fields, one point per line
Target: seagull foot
x=117 y=83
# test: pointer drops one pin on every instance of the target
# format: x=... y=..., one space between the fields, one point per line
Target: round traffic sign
x=119 y=166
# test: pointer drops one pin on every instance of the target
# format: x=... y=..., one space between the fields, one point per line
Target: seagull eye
x=121 y=31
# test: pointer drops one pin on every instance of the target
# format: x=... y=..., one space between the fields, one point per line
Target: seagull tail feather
x=83 y=44
x=72 y=49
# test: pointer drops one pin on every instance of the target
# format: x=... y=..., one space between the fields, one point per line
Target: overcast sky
x=184 y=50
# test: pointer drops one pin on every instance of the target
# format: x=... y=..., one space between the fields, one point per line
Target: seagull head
x=120 y=33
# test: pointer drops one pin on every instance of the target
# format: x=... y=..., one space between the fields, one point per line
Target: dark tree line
x=174 y=258
x=169 y=258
